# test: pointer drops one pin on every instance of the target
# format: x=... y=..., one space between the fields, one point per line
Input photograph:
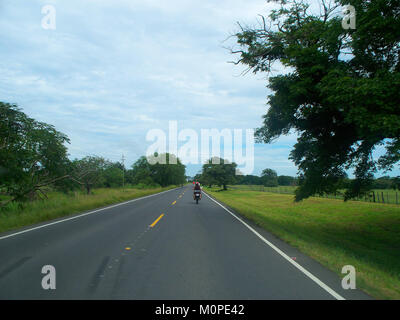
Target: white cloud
x=112 y=70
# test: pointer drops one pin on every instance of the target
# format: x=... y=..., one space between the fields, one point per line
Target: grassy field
x=59 y=204
x=365 y=235
x=381 y=195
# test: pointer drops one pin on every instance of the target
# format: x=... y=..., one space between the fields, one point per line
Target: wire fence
x=377 y=196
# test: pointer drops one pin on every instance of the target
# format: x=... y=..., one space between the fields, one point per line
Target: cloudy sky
x=114 y=69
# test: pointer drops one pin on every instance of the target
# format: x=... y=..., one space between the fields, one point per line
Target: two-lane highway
x=160 y=247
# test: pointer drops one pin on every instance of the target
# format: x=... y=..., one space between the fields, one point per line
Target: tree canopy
x=170 y=173
x=219 y=171
x=33 y=154
x=249 y=180
x=269 y=178
x=287 y=181
x=89 y=171
x=340 y=93
x=34 y=159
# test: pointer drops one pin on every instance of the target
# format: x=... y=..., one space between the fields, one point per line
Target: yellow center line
x=155 y=222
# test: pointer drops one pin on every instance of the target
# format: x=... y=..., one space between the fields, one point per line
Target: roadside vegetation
x=338 y=91
x=333 y=232
x=390 y=196
x=59 y=204
x=39 y=182
x=383 y=189
x=336 y=87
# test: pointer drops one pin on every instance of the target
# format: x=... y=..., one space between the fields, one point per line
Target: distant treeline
x=270 y=178
x=277 y=181
x=223 y=173
x=385 y=182
x=34 y=160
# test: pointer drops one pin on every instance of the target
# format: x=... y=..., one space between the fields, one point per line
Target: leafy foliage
x=89 y=172
x=341 y=94
x=170 y=173
x=269 y=178
x=287 y=181
x=220 y=172
x=249 y=180
x=33 y=154
x=113 y=175
x=33 y=160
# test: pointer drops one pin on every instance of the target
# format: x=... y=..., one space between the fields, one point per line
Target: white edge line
x=83 y=214
x=284 y=255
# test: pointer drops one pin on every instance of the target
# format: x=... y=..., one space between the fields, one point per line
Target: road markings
x=128 y=248
x=173 y=202
x=83 y=214
x=155 y=222
x=284 y=255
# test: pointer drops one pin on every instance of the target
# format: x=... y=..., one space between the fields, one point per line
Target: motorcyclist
x=196 y=187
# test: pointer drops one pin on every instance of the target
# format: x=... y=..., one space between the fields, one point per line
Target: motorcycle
x=197 y=196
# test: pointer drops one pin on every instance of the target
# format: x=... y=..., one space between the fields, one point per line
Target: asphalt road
x=161 y=247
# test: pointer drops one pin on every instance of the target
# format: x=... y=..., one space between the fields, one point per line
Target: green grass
x=59 y=204
x=389 y=195
x=335 y=233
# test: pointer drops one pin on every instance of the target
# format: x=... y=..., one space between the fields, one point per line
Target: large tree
x=89 y=172
x=170 y=173
x=113 y=174
x=148 y=170
x=220 y=172
x=340 y=91
x=33 y=154
x=269 y=178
